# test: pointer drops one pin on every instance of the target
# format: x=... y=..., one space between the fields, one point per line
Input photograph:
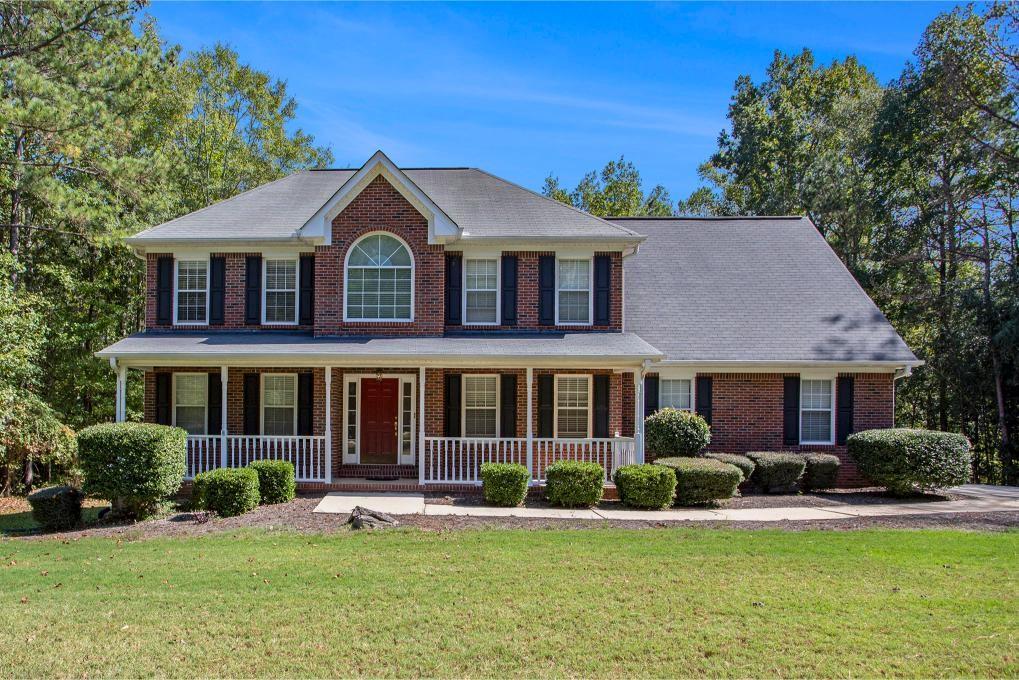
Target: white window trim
x=590 y=403
x=297 y=288
x=413 y=279
x=463 y=402
x=261 y=400
x=356 y=378
x=498 y=291
x=177 y=291
x=693 y=390
x=831 y=440
x=590 y=291
x=173 y=399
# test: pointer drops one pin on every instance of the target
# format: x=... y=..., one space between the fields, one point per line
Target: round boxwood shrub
x=277 y=482
x=226 y=491
x=504 y=484
x=671 y=432
x=572 y=484
x=133 y=465
x=702 y=480
x=56 y=507
x=901 y=459
x=645 y=486
x=821 y=471
x=776 y=472
x=744 y=464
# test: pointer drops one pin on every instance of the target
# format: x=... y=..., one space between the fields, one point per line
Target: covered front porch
x=432 y=424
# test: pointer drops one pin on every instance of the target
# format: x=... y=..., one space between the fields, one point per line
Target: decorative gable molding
x=441 y=228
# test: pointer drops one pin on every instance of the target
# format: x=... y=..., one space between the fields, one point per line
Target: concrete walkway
x=979 y=499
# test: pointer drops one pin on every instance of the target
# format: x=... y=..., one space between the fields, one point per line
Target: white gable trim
x=441 y=228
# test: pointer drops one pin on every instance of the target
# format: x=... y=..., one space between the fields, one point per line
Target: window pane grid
x=379 y=293
x=815 y=410
x=480 y=406
x=675 y=394
x=191 y=290
x=279 y=405
x=190 y=401
x=572 y=406
x=481 y=285
x=406 y=431
x=351 y=418
x=574 y=291
x=280 y=291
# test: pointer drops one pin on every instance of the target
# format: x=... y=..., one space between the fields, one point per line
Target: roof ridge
x=424 y=167
x=215 y=203
x=710 y=217
x=629 y=232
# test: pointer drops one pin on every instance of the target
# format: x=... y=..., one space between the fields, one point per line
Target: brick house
x=414 y=323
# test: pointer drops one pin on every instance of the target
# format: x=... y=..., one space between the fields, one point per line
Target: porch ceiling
x=615 y=350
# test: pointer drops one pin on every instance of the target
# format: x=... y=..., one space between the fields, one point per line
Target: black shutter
x=164 y=290
x=546 y=407
x=509 y=290
x=546 y=290
x=650 y=395
x=508 y=405
x=253 y=290
x=454 y=289
x=451 y=427
x=602 y=290
x=703 y=390
x=844 y=403
x=215 y=404
x=217 y=290
x=791 y=410
x=305 y=403
x=601 y=406
x=163 y=398
x=252 y=387
x=306 y=315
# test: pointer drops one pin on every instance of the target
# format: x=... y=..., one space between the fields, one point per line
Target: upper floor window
x=192 y=292
x=817 y=417
x=380 y=280
x=481 y=286
x=280 y=292
x=573 y=292
x=675 y=393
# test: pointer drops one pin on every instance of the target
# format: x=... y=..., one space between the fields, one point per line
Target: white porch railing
x=308 y=454
x=459 y=459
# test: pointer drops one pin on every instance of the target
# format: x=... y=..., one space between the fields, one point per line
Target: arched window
x=380 y=280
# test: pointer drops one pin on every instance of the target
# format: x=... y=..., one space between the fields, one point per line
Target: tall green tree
x=617 y=191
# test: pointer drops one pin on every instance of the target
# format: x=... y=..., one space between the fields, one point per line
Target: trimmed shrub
x=702 y=480
x=504 y=484
x=133 y=465
x=821 y=471
x=226 y=491
x=744 y=464
x=645 y=486
x=277 y=482
x=572 y=484
x=901 y=459
x=776 y=472
x=56 y=507
x=671 y=432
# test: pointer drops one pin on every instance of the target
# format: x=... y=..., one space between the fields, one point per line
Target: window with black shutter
x=305 y=403
x=791 y=410
x=602 y=290
x=508 y=405
x=306 y=315
x=217 y=290
x=650 y=395
x=702 y=391
x=215 y=412
x=454 y=289
x=844 y=404
x=601 y=405
x=451 y=420
x=163 y=398
x=164 y=290
x=252 y=388
x=546 y=406
x=509 y=290
x=546 y=290
x=253 y=290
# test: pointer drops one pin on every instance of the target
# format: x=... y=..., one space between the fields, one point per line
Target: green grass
x=491 y=603
x=19 y=521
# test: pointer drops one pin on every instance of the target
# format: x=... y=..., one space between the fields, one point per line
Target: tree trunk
x=28 y=475
x=15 y=223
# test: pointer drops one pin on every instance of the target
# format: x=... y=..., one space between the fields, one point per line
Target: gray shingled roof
x=517 y=348
x=482 y=205
x=750 y=289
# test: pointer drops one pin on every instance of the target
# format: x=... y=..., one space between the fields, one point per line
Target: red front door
x=379 y=435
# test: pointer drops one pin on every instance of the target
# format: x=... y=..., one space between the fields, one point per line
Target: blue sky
x=524 y=90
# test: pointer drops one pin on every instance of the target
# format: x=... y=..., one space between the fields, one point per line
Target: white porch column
x=638 y=415
x=421 y=425
x=530 y=427
x=329 y=424
x=120 y=408
x=224 y=375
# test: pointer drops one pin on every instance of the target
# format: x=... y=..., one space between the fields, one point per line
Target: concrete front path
x=343 y=502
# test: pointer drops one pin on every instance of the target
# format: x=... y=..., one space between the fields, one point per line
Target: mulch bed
x=298 y=516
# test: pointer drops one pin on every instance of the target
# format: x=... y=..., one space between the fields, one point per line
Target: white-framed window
x=817 y=411
x=573 y=291
x=190 y=402
x=379 y=281
x=573 y=406
x=279 y=291
x=675 y=393
x=279 y=404
x=192 y=286
x=481 y=292
x=480 y=405
x=407 y=420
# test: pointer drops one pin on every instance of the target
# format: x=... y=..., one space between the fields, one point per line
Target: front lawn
x=673 y=602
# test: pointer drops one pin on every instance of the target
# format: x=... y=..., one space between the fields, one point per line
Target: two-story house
x=413 y=323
